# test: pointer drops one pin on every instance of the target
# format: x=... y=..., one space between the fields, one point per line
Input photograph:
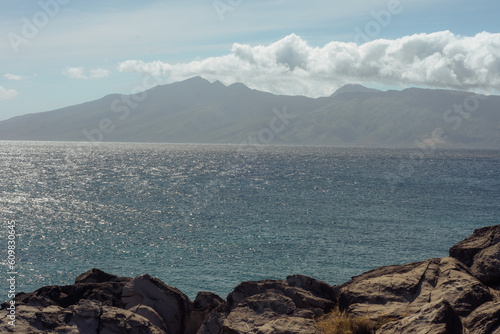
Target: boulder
x=170 y=304
x=87 y=317
x=484 y=319
x=304 y=296
x=272 y=306
x=434 y=318
x=396 y=291
x=92 y=285
x=203 y=305
x=97 y=276
x=480 y=252
x=268 y=313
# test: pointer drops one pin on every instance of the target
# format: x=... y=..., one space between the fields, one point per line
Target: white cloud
x=7 y=94
x=80 y=73
x=75 y=73
x=292 y=66
x=99 y=73
x=10 y=76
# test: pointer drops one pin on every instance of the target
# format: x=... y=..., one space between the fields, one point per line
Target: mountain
x=197 y=111
x=350 y=88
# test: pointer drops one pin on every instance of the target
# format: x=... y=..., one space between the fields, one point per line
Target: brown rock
x=88 y=317
x=272 y=306
x=481 y=253
x=484 y=319
x=398 y=290
x=268 y=313
x=434 y=318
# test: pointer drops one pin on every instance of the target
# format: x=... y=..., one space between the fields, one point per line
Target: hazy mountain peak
x=238 y=85
x=354 y=88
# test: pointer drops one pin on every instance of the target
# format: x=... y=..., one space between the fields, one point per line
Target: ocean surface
x=207 y=217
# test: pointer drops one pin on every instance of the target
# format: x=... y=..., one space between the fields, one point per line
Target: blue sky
x=83 y=50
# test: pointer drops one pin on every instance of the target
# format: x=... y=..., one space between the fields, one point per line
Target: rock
x=92 y=317
x=150 y=314
x=317 y=288
x=272 y=306
x=88 y=317
x=481 y=253
x=172 y=306
x=268 y=313
x=203 y=305
x=95 y=276
x=398 y=290
x=108 y=293
x=303 y=298
x=214 y=322
x=434 y=318
x=484 y=319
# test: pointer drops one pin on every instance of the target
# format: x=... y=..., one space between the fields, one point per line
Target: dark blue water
x=206 y=217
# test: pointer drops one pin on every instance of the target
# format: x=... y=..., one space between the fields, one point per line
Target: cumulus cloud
x=292 y=66
x=7 y=94
x=99 y=73
x=10 y=76
x=80 y=73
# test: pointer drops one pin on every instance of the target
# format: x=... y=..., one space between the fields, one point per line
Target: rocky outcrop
x=440 y=295
x=481 y=254
x=103 y=303
x=272 y=306
x=455 y=294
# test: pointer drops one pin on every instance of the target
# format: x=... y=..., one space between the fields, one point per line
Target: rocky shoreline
x=455 y=294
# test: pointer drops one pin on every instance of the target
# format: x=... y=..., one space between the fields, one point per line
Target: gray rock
x=170 y=304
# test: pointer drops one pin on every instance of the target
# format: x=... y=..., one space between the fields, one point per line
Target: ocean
x=207 y=217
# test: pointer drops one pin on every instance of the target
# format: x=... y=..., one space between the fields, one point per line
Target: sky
x=56 y=53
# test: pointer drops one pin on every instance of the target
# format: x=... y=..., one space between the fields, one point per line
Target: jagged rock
x=268 y=313
x=303 y=298
x=108 y=293
x=481 y=253
x=318 y=288
x=203 y=305
x=272 y=306
x=397 y=290
x=214 y=322
x=91 y=317
x=88 y=317
x=434 y=318
x=95 y=276
x=484 y=319
x=172 y=306
x=150 y=314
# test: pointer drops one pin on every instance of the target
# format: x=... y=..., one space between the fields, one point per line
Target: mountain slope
x=197 y=111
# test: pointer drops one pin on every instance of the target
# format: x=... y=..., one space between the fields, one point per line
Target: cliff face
x=456 y=294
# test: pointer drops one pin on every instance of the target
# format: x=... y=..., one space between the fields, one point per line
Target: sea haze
x=206 y=217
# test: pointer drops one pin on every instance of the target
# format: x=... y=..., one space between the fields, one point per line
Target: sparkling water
x=206 y=217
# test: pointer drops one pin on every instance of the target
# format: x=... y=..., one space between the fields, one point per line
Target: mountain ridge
x=198 y=111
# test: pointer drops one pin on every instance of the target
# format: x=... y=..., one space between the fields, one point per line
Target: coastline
x=455 y=294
